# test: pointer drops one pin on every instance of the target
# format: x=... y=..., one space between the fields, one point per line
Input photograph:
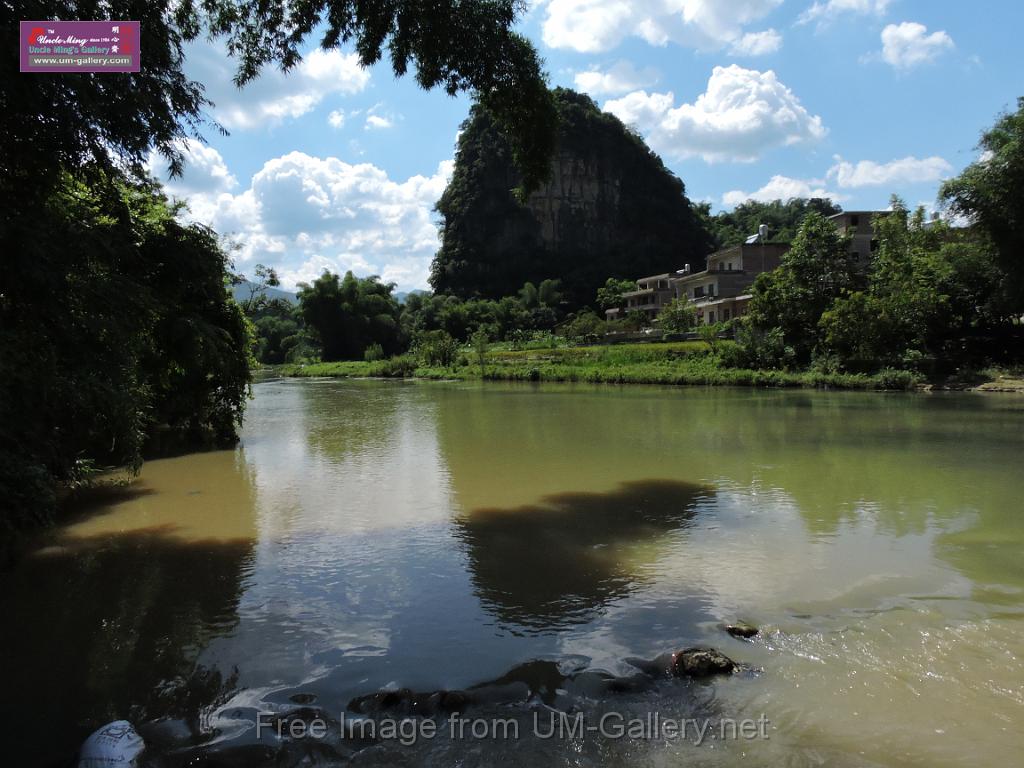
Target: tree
x=990 y=193
x=349 y=314
x=924 y=290
x=257 y=299
x=814 y=272
x=480 y=341
x=458 y=45
x=708 y=333
x=584 y=326
x=135 y=334
x=678 y=316
x=609 y=296
x=783 y=219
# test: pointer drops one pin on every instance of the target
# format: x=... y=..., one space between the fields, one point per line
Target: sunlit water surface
x=434 y=535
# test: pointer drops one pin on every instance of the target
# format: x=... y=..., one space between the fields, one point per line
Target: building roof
x=858 y=213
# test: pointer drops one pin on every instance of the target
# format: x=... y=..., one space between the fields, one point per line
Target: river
x=435 y=535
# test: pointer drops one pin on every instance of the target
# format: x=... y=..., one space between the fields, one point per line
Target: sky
x=338 y=167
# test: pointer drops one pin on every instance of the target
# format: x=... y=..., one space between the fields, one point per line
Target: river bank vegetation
x=117 y=327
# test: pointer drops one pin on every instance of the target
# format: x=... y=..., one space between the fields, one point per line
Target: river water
x=368 y=535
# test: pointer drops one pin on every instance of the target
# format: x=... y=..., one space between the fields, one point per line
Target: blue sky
x=336 y=167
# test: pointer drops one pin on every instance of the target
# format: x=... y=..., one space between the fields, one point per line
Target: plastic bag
x=115 y=745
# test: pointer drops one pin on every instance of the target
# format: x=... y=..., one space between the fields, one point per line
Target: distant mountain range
x=242 y=291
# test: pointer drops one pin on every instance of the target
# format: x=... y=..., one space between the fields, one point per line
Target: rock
x=700 y=663
x=741 y=629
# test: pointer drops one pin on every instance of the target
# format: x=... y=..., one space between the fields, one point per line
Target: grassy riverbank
x=691 y=363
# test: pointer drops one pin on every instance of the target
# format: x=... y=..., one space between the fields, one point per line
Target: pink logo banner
x=80 y=46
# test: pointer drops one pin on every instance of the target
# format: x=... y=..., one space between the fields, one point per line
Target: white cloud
x=302 y=214
x=273 y=96
x=908 y=170
x=205 y=170
x=592 y=26
x=757 y=43
x=742 y=114
x=377 y=122
x=621 y=77
x=823 y=12
x=909 y=45
x=337 y=118
x=781 y=188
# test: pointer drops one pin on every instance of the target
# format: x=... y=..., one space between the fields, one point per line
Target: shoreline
x=764 y=379
x=671 y=364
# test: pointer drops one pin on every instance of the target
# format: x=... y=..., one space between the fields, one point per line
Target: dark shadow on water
x=111 y=627
x=554 y=564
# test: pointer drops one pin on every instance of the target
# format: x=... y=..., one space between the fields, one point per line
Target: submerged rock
x=700 y=663
x=742 y=630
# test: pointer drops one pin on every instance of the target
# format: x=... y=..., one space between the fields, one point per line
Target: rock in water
x=701 y=662
x=741 y=629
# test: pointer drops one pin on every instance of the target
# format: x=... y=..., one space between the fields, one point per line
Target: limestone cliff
x=609 y=209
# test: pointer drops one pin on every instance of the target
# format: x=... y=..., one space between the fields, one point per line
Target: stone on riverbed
x=700 y=663
x=742 y=630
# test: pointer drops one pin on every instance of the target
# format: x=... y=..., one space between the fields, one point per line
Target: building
x=857 y=224
x=722 y=291
x=651 y=294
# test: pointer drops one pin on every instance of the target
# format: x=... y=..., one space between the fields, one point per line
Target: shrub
x=437 y=349
x=373 y=353
x=678 y=316
x=399 y=367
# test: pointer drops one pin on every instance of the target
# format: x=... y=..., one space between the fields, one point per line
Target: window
x=711 y=317
x=726 y=314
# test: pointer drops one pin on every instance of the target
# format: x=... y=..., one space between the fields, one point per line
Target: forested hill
x=609 y=209
x=782 y=219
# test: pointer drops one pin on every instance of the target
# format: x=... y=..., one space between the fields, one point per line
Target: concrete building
x=722 y=291
x=858 y=224
x=651 y=294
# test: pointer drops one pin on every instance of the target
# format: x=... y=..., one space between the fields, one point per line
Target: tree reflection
x=112 y=624
x=555 y=563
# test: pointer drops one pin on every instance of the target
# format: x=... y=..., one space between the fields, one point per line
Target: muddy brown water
x=366 y=535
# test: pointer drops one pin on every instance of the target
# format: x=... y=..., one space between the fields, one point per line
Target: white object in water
x=115 y=745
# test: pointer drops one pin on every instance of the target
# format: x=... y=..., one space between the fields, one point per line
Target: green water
x=435 y=535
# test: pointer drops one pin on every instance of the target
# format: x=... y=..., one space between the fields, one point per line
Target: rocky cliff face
x=609 y=209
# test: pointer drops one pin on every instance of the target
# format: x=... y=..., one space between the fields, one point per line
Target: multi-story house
x=857 y=224
x=722 y=291
x=651 y=294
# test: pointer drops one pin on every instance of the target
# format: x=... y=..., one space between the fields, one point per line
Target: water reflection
x=108 y=620
x=371 y=533
x=555 y=563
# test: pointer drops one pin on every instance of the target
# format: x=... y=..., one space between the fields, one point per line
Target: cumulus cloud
x=336 y=119
x=781 y=188
x=377 y=122
x=303 y=214
x=908 y=45
x=742 y=114
x=823 y=12
x=274 y=96
x=592 y=26
x=621 y=77
x=757 y=43
x=908 y=170
x=205 y=171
